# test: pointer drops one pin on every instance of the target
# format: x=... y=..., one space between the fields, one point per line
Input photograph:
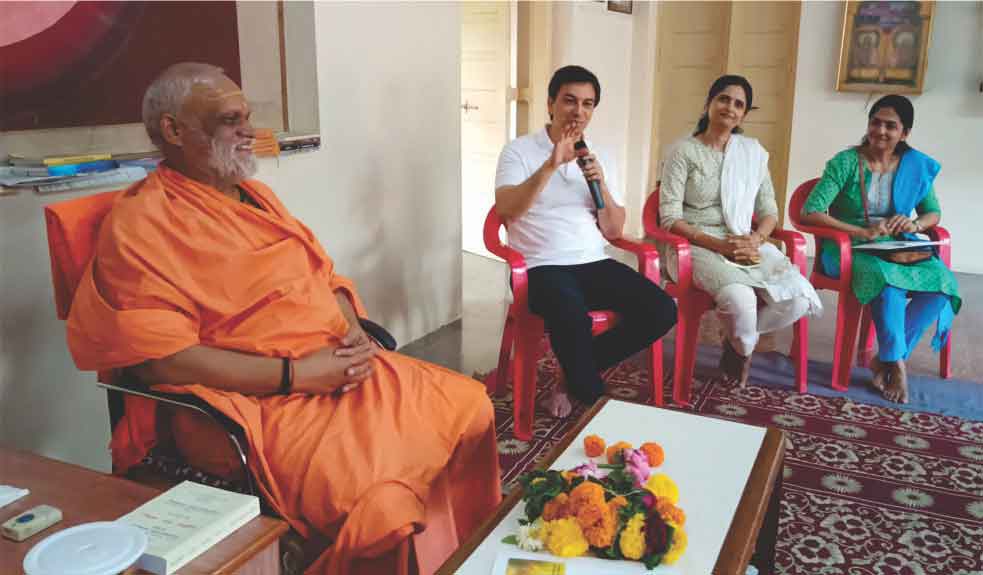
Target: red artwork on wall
x=68 y=64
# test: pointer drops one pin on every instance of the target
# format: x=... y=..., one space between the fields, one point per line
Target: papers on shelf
x=894 y=245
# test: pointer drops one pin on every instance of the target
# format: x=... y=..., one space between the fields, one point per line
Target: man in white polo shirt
x=554 y=222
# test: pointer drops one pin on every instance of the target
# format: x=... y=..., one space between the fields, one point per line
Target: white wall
x=948 y=115
x=383 y=196
x=587 y=34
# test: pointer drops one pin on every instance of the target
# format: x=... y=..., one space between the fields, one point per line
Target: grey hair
x=169 y=90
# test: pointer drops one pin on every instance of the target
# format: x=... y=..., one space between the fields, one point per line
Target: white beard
x=228 y=164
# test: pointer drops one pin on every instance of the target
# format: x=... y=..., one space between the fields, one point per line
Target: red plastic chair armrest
x=795 y=247
x=647 y=254
x=684 y=265
x=940 y=234
x=842 y=240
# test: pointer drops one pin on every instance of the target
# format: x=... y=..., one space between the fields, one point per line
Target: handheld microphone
x=580 y=148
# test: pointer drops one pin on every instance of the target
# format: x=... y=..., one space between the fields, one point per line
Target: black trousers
x=563 y=296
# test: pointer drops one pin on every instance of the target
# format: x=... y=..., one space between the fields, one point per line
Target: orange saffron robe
x=410 y=451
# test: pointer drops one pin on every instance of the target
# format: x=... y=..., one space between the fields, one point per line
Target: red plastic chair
x=524 y=329
x=693 y=302
x=851 y=317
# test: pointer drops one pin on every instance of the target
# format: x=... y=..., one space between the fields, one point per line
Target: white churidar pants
x=743 y=322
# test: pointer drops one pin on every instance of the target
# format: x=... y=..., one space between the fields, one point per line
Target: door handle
x=468 y=107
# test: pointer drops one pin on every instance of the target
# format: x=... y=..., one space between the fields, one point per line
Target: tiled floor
x=471 y=344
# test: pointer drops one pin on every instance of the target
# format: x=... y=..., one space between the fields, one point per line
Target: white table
x=726 y=473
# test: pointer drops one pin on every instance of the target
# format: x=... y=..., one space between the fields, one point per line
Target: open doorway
x=488 y=78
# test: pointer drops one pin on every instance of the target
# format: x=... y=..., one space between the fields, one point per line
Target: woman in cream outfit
x=713 y=184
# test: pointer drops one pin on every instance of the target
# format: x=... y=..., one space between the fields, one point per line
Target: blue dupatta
x=912 y=182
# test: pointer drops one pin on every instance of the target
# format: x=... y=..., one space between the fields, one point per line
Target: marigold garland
x=621 y=509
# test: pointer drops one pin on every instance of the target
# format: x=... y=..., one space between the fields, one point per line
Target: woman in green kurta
x=897 y=179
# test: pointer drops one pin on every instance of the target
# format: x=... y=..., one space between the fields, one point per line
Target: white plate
x=101 y=548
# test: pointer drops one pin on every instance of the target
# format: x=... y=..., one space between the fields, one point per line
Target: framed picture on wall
x=885 y=46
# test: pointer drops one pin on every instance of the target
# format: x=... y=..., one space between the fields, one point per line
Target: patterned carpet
x=868 y=490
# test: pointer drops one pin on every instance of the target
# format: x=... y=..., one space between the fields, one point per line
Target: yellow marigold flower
x=654 y=453
x=678 y=547
x=586 y=493
x=616 y=449
x=568 y=476
x=670 y=513
x=593 y=445
x=632 y=540
x=565 y=539
x=662 y=486
x=537 y=480
x=557 y=508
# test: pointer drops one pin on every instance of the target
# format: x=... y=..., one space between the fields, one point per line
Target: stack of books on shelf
x=62 y=173
x=293 y=143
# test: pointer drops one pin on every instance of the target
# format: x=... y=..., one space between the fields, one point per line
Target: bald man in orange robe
x=203 y=283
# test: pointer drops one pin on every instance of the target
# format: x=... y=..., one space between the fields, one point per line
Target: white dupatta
x=745 y=167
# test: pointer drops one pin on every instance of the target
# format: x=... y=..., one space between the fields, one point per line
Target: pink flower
x=648 y=499
x=637 y=464
x=590 y=469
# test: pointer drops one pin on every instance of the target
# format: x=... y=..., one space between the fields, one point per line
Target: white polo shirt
x=561 y=226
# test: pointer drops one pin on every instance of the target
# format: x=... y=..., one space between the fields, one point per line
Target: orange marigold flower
x=598 y=524
x=670 y=513
x=557 y=508
x=654 y=453
x=594 y=446
x=586 y=493
x=617 y=503
x=616 y=449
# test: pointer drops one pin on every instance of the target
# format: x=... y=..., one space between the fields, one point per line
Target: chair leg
x=800 y=353
x=687 y=330
x=847 y=324
x=497 y=384
x=945 y=359
x=655 y=372
x=865 y=346
x=524 y=378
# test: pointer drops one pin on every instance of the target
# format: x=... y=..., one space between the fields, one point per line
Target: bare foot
x=734 y=367
x=880 y=374
x=728 y=358
x=557 y=404
x=897 y=388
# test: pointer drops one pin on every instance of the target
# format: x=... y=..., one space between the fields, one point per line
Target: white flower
x=972 y=452
x=975 y=509
x=849 y=431
x=731 y=410
x=912 y=497
x=841 y=483
x=788 y=420
x=911 y=441
x=529 y=536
